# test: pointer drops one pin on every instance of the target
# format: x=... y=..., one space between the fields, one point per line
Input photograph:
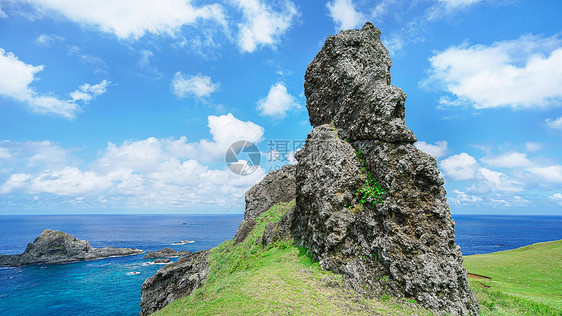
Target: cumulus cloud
x=277 y=102
x=555 y=124
x=552 y=174
x=344 y=14
x=152 y=173
x=521 y=73
x=17 y=76
x=490 y=180
x=262 y=25
x=508 y=160
x=87 y=92
x=461 y=198
x=437 y=150
x=199 y=85
x=131 y=19
x=48 y=40
x=460 y=167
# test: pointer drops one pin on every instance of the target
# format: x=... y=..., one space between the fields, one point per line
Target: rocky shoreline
x=56 y=247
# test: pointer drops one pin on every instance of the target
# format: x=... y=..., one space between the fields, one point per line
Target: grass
x=524 y=281
x=281 y=279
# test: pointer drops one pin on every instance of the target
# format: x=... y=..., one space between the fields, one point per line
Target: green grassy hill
x=523 y=281
x=281 y=279
x=248 y=279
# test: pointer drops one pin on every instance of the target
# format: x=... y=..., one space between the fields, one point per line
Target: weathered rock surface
x=348 y=83
x=55 y=247
x=277 y=186
x=174 y=281
x=161 y=261
x=404 y=246
x=166 y=253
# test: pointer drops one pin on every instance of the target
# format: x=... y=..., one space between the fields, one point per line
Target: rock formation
x=55 y=247
x=277 y=186
x=369 y=205
x=166 y=253
x=402 y=241
x=174 y=281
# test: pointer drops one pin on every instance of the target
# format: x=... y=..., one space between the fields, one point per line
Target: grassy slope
x=283 y=280
x=525 y=281
x=279 y=280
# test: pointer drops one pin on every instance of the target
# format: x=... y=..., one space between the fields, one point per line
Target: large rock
x=277 y=186
x=404 y=246
x=166 y=253
x=348 y=83
x=174 y=281
x=55 y=247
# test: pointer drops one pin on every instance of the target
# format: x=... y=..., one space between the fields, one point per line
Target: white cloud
x=344 y=14
x=199 y=85
x=509 y=160
x=521 y=73
x=458 y=4
x=44 y=154
x=497 y=181
x=87 y=92
x=556 y=197
x=532 y=146
x=437 y=150
x=69 y=181
x=151 y=173
x=552 y=174
x=131 y=18
x=15 y=182
x=462 y=198
x=3 y=14
x=262 y=25
x=48 y=40
x=16 y=78
x=460 y=167
x=277 y=102
x=555 y=124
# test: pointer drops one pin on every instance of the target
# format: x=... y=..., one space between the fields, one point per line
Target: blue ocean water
x=108 y=287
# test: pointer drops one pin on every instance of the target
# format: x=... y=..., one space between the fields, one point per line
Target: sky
x=130 y=106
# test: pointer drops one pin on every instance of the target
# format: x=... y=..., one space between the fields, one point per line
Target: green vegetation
x=524 y=281
x=248 y=279
x=372 y=191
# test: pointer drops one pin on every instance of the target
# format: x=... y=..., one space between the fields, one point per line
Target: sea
x=112 y=286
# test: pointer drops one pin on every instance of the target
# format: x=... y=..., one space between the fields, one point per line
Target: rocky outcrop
x=348 y=83
x=166 y=253
x=402 y=241
x=55 y=247
x=174 y=281
x=369 y=205
x=277 y=186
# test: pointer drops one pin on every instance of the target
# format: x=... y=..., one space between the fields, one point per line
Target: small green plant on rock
x=372 y=191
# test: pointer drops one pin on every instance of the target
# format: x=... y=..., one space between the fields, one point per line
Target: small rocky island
x=166 y=253
x=55 y=247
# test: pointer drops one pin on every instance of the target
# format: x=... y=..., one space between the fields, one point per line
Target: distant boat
x=183 y=242
x=133 y=273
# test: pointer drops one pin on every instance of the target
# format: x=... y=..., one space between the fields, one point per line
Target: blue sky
x=129 y=106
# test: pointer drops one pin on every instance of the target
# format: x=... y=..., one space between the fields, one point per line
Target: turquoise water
x=100 y=287
x=108 y=287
